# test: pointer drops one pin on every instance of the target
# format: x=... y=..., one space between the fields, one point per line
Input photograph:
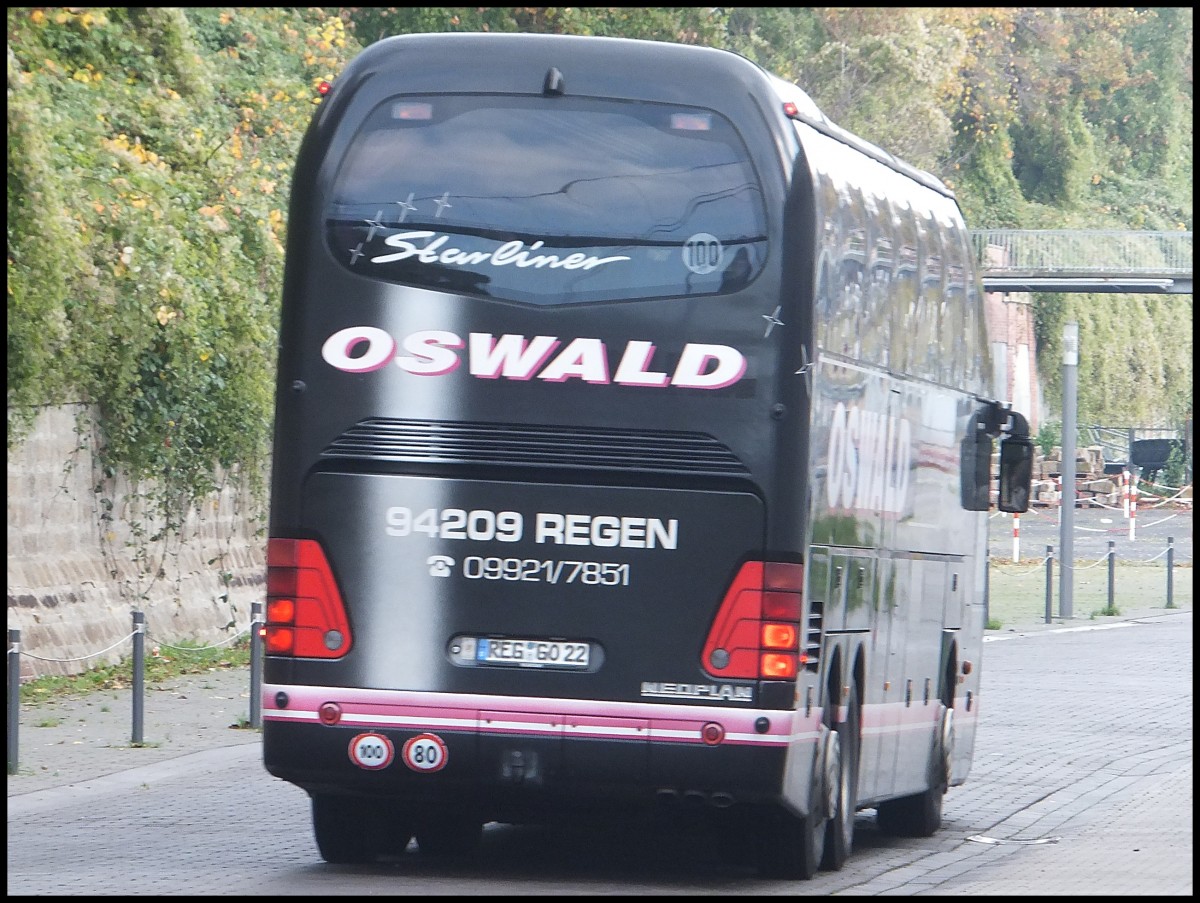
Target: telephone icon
x=439 y=565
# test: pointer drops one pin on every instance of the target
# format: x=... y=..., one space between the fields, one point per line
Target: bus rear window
x=548 y=200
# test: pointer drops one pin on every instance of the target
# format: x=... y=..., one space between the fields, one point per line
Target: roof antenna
x=554 y=82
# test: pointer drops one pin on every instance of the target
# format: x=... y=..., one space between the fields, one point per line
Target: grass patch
x=1017 y=593
x=170 y=662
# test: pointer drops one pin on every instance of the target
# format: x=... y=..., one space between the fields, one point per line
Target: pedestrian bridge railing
x=1015 y=260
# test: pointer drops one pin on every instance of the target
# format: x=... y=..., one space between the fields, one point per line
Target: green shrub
x=1048 y=436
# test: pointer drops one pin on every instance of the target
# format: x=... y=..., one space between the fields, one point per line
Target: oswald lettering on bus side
x=870 y=456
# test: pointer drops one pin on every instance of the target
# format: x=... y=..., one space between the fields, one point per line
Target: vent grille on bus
x=812 y=640
x=435 y=442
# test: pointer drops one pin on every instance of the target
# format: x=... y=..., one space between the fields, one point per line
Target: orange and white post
x=1016 y=538
x=1133 y=494
x=1125 y=494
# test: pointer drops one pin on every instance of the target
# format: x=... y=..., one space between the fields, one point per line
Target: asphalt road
x=1094 y=528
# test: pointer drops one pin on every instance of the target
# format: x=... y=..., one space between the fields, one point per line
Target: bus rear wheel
x=791 y=846
x=920 y=815
x=344 y=836
x=839 y=839
x=354 y=830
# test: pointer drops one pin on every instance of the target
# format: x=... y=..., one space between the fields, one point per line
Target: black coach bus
x=633 y=453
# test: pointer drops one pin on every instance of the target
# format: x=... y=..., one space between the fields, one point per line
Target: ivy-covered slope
x=149 y=152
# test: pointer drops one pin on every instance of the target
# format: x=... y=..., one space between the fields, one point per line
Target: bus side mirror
x=976 y=473
x=1016 y=474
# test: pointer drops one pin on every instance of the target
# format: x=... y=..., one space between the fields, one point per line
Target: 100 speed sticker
x=371 y=751
x=425 y=753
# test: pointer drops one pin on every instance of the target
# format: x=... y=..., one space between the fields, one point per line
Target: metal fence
x=1083 y=252
x=1116 y=442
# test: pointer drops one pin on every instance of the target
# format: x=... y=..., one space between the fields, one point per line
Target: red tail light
x=780 y=636
x=756 y=632
x=775 y=666
x=305 y=613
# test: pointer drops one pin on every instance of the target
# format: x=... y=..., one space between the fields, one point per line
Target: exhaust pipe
x=695 y=799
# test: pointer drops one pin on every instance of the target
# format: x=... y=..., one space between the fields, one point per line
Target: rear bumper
x=512 y=758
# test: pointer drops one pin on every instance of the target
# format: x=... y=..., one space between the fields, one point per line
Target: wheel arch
x=948 y=679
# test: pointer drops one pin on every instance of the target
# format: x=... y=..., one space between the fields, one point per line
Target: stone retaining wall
x=74 y=582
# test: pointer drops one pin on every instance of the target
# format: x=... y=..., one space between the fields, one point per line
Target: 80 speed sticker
x=425 y=753
x=371 y=751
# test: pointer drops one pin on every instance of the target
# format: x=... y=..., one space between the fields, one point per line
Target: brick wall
x=73 y=584
x=1009 y=319
x=1010 y=323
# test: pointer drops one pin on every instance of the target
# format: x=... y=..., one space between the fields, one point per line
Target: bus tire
x=449 y=835
x=839 y=838
x=345 y=833
x=791 y=846
x=920 y=815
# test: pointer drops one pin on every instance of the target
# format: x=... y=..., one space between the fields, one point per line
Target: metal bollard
x=14 y=697
x=987 y=589
x=139 y=675
x=1170 y=575
x=256 y=624
x=1112 y=559
x=1049 y=583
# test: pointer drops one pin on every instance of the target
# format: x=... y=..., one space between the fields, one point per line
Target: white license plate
x=531 y=653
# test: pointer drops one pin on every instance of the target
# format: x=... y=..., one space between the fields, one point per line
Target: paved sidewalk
x=82 y=738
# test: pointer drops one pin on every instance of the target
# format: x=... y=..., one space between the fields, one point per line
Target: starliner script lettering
x=510 y=253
